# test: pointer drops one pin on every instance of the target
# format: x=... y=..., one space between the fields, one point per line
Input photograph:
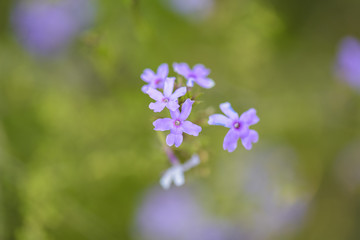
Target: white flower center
x=177 y=123
x=165 y=100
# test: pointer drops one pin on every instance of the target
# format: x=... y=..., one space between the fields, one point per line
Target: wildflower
x=198 y=74
x=168 y=99
x=239 y=127
x=176 y=172
x=193 y=10
x=47 y=28
x=177 y=124
x=155 y=80
x=348 y=62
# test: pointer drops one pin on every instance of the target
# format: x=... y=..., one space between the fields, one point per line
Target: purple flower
x=168 y=99
x=173 y=214
x=47 y=28
x=191 y=9
x=177 y=124
x=348 y=61
x=198 y=74
x=239 y=127
x=176 y=172
x=155 y=80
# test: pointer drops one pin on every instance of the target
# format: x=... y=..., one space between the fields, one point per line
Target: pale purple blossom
x=46 y=28
x=168 y=98
x=198 y=74
x=239 y=126
x=192 y=9
x=175 y=174
x=177 y=124
x=155 y=80
x=348 y=61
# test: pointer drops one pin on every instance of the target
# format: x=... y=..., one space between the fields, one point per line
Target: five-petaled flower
x=176 y=172
x=177 y=124
x=155 y=80
x=239 y=127
x=198 y=74
x=168 y=99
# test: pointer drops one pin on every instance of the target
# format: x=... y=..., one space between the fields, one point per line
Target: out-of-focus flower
x=173 y=214
x=177 y=124
x=176 y=172
x=46 y=28
x=176 y=214
x=168 y=99
x=198 y=74
x=348 y=61
x=239 y=127
x=191 y=9
x=155 y=80
x=273 y=193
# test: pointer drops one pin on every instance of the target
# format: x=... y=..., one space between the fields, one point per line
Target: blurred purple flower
x=239 y=127
x=155 y=80
x=193 y=9
x=173 y=214
x=348 y=61
x=177 y=124
x=46 y=28
x=177 y=215
x=198 y=74
x=168 y=99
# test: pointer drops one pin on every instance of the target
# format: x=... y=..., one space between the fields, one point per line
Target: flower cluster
x=179 y=102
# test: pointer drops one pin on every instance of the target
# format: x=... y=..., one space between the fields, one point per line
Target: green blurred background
x=77 y=149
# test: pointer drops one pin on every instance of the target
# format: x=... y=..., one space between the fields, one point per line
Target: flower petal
x=179 y=177
x=178 y=139
x=201 y=71
x=145 y=88
x=172 y=105
x=182 y=69
x=228 y=111
x=190 y=82
x=173 y=138
x=191 y=128
x=148 y=75
x=157 y=106
x=169 y=86
x=155 y=94
x=163 y=70
x=163 y=124
x=175 y=114
x=230 y=140
x=252 y=137
x=170 y=139
x=249 y=117
x=205 y=82
x=165 y=180
x=178 y=93
x=186 y=109
x=219 y=119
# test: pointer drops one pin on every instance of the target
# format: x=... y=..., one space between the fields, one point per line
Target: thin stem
x=169 y=152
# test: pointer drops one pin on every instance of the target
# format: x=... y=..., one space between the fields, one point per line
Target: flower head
x=46 y=28
x=176 y=172
x=239 y=126
x=198 y=74
x=168 y=99
x=177 y=124
x=348 y=62
x=155 y=80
